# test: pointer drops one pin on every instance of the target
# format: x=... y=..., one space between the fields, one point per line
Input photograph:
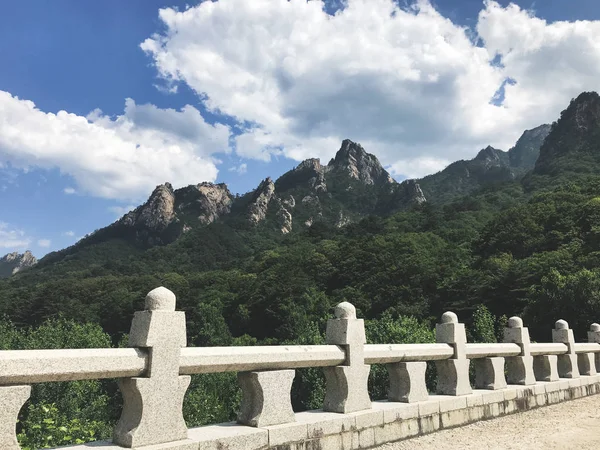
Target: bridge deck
x=570 y=425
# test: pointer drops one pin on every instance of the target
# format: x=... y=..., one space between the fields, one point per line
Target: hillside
x=270 y=263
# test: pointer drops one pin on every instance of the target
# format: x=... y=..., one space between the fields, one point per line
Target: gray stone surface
x=545 y=367
x=453 y=374
x=266 y=398
x=407 y=382
x=594 y=337
x=489 y=373
x=567 y=364
x=519 y=369
x=346 y=386
x=12 y=399
x=587 y=363
x=152 y=407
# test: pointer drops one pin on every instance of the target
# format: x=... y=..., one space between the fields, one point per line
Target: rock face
x=414 y=193
x=527 y=149
x=15 y=262
x=572 y=148
x=157 y=213
x=489 y=166
x=206 y=201
x=353 y=160
x=257 y=210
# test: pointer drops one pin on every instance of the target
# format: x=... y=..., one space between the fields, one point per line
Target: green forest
x=529 y=246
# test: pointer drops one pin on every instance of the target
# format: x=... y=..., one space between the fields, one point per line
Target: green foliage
x=49 y=428
x=484 y=326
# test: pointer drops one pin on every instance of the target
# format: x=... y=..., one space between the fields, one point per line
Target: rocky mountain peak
x=313 y=164
x=584 y=112
x=262 y=196
x=206 y=201
x=527 y=149
x=157 y=213
x=353 y=160
x=414 y=192
x=15 y=262
x=573 y=144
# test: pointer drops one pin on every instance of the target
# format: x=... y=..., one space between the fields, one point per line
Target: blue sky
x=263 y=101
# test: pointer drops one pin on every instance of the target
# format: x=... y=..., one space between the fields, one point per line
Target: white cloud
x=241 y=169
x=121 y=210
x=69 y=233
x=410 y=85
x=122 y=157
x=69 y=190
x=45 y=243
x=13 y=238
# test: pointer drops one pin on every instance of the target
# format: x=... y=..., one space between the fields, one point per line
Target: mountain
x=572 y=148
x=351 y=186
x=15 y=262
x=270 y=264
x=490 y=166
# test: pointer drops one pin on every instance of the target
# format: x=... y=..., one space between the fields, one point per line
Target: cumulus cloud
x=13 y=238
x=69 y=233
x=409 y=84
x=45 y=243
x=69 y=190
x=121 y=157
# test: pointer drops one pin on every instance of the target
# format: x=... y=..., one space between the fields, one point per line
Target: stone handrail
x=243 y=359
x=40 y=366
x=154 y=374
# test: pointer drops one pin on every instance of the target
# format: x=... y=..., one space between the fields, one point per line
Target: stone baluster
x=453 y=374
x=407 y=382
x=519 y=369
x=545 y=367
x=594 y=337
x=266 y=398
x=12 y=399
x=567 y=363
x=152 y=405
x=489 y=373
x=346 y=386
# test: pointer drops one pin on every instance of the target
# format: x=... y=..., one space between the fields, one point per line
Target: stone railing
x=155 y=372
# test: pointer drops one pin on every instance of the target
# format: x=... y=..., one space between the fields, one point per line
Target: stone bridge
x=154 y=373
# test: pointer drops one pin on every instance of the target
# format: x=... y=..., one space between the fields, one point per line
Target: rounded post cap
x=561 y=325
x=345 y=310
x=595 y=327
x=515 y=322
x=160 y=299
x=449 y=317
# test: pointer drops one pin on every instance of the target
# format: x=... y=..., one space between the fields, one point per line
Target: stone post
x=347 y=385
x=519 y=368
x=594 y=337
x=12 y=399
x=407 y=382
x=567 y=363
x=152 y=405
x=489 y=373
x=266 y=398
x=453 y=374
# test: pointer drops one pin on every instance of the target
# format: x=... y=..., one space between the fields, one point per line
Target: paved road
x=569 y=425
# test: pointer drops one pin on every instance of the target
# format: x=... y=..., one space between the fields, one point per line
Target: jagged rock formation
x=414 y=193
x=572 y=148
x=16 y=262
x=488 y=167
x=257 y=211
x=352 y=185
x=354 y=161
x=156 y=214
x=206 y=201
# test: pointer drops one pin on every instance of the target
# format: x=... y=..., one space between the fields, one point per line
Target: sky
x=102 y=101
